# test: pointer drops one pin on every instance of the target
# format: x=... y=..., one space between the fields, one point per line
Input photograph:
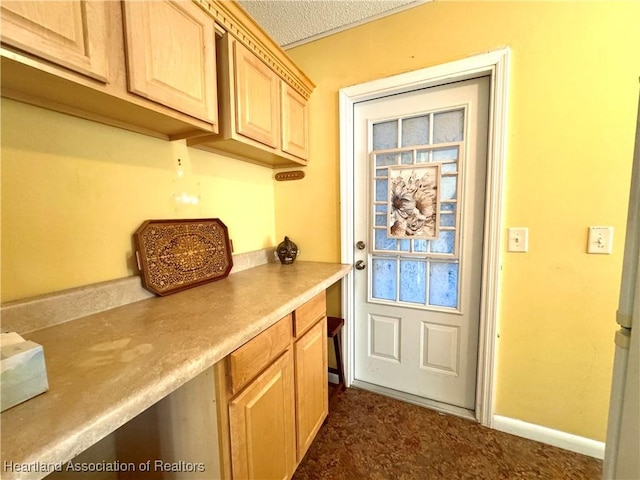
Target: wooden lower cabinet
x=312 y=404
x=261 y=422
x=268 y=425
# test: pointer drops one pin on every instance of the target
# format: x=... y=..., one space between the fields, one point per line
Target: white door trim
x=495 y=64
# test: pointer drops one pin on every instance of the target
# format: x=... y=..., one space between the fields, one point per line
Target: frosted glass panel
x=449 y=207
x=381 y=208
x=382 y=242
x=382 y=172
x=382 y=190
x=449 y=167
x=443 y=154
x=447 y=220
x=415 y=131
x=422 y=156
x=386 y=159
x=444 y=243
x=407 y=158
x=448 y=188
x=419 y=245
x=385 y=135
x=383 y=279
x=443 y=284
x=412 y=282
x=448 y=126
x=403 y=245
x=381 y=220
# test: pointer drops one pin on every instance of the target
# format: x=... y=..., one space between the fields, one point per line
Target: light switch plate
x=518 y=239
x=600 y=240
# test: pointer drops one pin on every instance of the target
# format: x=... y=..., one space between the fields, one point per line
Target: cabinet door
x=257 y=98
x=71 y=34
x=262 y=425
x=171 y=55
x=311 y=384
x=295 y=123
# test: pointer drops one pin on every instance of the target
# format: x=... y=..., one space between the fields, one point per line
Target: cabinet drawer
x=254 y=356
x=309 y=313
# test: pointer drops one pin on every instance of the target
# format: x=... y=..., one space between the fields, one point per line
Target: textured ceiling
x=292 y=22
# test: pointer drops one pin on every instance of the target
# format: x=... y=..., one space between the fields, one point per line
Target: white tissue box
x=23 y=374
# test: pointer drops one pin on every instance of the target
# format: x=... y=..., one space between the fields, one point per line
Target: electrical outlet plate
x=518 y=239
x=600 y=240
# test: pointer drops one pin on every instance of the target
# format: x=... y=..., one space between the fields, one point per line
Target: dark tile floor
x=369 y=436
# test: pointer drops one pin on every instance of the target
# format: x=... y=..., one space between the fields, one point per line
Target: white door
x=419 y=189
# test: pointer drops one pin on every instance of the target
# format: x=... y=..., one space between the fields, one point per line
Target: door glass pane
x=443 y=284
x=403 y=245
x=444 y=243
x=448 y=188
x=422 y=156
x=386 y=159
x=385 y=135
x=406 y=158
x=415 y=131
x=419 y=245
x=382 y=242
x=448 y=126
x=412 y=282
x=447 y=220
x=443 y=154
x=381 y=220
x=383 y=278
x=382 y=190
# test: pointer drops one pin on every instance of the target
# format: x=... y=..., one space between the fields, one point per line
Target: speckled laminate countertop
x=106 y=368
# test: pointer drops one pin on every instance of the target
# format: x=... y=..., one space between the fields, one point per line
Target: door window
x=421 y=270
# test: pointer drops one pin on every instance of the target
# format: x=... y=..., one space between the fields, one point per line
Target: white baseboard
x=559 y=439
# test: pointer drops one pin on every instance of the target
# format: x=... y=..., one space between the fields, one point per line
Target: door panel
x=419 y=201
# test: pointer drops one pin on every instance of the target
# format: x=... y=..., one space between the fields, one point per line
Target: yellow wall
x=573 y=100
x=74 y=191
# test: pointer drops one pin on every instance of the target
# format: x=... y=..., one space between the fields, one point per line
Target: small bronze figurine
x=287 y=251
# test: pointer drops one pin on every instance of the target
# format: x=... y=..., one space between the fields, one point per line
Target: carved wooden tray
x=174 y=255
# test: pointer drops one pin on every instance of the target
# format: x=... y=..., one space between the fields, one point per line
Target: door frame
x=496 y=65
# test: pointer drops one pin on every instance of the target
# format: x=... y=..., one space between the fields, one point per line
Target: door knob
x=360 y=245
x=360 y=265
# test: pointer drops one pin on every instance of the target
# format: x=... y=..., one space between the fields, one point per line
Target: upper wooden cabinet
x=156 y=76
x=262 y=118
x=257 y=106
x=150 y=66
x=295 y=123
x=69 y=34
x=171 y=56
